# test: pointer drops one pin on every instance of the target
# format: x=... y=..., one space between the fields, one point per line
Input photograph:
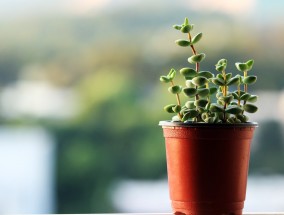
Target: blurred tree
x=268 y=158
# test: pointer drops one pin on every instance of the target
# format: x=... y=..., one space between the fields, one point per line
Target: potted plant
x=208 y=139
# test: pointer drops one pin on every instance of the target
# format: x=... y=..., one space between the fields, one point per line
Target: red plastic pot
x=207 y=166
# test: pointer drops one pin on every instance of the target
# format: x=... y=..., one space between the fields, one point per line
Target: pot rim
x=169 y=123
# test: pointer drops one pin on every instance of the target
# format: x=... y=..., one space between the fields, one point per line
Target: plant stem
x=239 y=95
x=197 y=70
x=245 y=86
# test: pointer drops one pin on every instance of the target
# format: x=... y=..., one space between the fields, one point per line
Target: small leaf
x=176 y=119
x=189 y=83
x=190 y=104
x=164 y=79
x=252 y=98
x=250 y=80
x=199 y=81
x=231 y=120
x=226 y=99
x=249 y=64
x=235 y=95
x=196 y=58
x=196 y=38
x=234 y=109
x=190 y=114
x=220 y=68
x=218 y=81
x=245 y=96
x=172 y=74
x=188 y=72
x=186 y=22
x=203 y=92
x=183 y=43
x=186 y=29
x=205 y=74
x=190 y=91
x=175 y=89
x=234 y=80
x=201 y=103
x=211 y=120
x=220 y=76
x=228 y=76
x=242 y=118
x=222 y=62
x=250 y=108
x=241 y=67
x=216 y=108
x=177 y=27
x=176 y=108
x=169 y=108
x=233 y=103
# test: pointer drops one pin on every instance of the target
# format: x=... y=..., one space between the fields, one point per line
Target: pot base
x=207 y=208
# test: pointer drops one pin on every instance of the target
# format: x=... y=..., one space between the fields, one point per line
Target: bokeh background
x=80 y=99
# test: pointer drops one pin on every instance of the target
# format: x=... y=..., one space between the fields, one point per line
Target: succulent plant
x=209 y=99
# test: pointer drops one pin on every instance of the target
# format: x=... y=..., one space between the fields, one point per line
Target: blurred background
x=80 y=99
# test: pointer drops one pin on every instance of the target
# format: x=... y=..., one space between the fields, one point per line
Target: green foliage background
x=113 y=61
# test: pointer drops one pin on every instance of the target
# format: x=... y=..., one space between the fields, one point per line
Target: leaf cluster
x=208 y=96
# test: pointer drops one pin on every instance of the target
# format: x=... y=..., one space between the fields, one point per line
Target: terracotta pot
x=207 y=166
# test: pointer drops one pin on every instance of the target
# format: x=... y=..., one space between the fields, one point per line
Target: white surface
x=263 y=194
x=26 y=171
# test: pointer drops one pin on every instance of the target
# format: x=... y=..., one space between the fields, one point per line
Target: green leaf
x=188 y=72
x=190 y=91
x=245 y=96
x=234 y=80
x=216 y=108
x=199 y=81
x=186 y=29
x=233 y=103
x=249 y=64
x=189 y=83
x=241 y=67
x=250 y=80
x=183 y=43
x=235 y=95
x=220 y=68
x=242 y=118
x=250 y=108
x=176 y=108
x=190 y=104
x=172 y=74
x=186 y=22
x=164 y=79
x=205 y=74
x=196 y=38
x=175 y=89
x=222 y=62
x=218 y=81
x=190 y=114
x=252 y=98
x=169 y=108
x=200 y=103
x=203 y=92
x=213 y=90
x=226 y=99
x=177 y=27
x=220 y=76
x=228 y=76
x=196 y=58
x=234 y=109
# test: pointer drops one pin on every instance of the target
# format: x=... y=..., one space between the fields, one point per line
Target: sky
x=19 y=8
